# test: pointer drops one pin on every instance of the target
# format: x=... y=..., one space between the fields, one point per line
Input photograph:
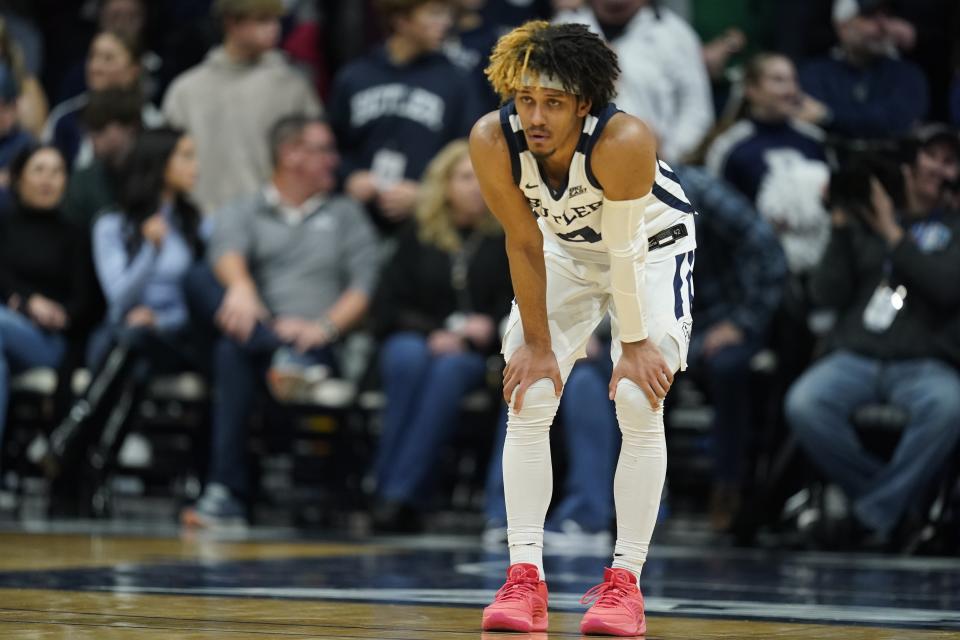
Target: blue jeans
x=239 y=371
x=423 y=395
x=819 y=406
x=590 y=437
x=23 y=345
x=726 y=374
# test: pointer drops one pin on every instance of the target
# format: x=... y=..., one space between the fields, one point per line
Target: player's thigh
x=576 y=303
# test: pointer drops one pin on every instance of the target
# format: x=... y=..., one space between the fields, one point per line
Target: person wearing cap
x=867 y=91
x=230 y=100
x=13 y=138
x=889 y=271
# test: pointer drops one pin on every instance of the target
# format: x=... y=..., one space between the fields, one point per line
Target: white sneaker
x=572 y=536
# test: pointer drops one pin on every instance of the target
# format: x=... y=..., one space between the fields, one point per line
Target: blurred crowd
x=238 y=187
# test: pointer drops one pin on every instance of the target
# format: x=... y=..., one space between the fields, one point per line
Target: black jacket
x=416 y=291
x=926 y=262
x=40 y=252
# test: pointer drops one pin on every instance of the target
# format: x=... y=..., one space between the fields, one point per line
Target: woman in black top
x=440 y=301
x=45 y=285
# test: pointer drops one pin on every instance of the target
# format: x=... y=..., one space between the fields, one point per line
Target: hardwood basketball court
x=114 y=581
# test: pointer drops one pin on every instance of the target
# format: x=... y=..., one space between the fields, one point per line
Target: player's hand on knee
x=643 y=364
x=526 y=366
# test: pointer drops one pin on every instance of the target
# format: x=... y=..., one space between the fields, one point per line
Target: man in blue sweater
x=868 y=91
x=395 y=108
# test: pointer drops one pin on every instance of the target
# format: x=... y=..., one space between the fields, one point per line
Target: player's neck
x=556 y=166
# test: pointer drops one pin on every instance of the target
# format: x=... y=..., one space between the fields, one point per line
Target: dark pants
x=819 y=407
x=423 y=393
x=238 y=374
x=726 y=375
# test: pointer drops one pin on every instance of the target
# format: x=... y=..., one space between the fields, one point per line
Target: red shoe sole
x=600 y=627
x=503 y=621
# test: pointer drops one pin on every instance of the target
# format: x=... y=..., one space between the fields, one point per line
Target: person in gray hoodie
x=229 y=101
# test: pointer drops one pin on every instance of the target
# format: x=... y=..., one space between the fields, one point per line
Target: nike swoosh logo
x=531 y=186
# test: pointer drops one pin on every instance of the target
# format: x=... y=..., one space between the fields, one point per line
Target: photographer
x=891 y=272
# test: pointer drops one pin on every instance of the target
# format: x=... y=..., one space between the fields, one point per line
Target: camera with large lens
x=850 y=190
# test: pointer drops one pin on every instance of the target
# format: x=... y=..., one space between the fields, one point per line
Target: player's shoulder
x=625 y=136
x=487 y=133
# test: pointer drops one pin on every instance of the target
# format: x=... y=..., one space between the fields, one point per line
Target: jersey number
x=584 y=234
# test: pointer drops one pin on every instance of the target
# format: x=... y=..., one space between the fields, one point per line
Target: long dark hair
x=141 y=188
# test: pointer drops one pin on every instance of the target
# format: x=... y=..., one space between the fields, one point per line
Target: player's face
x=551 y=119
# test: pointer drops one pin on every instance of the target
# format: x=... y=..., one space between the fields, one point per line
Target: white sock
x=528 y=472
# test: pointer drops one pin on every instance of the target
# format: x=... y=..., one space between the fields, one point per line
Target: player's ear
x=583 y=106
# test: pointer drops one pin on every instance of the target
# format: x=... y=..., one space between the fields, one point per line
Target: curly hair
x=434 y=224
x=570 y=53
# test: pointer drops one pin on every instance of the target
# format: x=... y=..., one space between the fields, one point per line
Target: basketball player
x=611 y=230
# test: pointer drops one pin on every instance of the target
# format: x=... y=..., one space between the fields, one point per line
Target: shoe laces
x=609 y=593
x=517 y=587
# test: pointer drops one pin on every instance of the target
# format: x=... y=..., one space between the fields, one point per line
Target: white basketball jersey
x=569 y=217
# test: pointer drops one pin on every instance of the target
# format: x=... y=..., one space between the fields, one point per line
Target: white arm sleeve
x=624 y=231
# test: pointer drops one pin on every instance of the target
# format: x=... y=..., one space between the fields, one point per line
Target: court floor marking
x=765 y=611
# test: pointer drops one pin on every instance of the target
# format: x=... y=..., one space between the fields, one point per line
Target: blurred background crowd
x=275 y=198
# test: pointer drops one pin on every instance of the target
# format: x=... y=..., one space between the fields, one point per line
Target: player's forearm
x=529 y=275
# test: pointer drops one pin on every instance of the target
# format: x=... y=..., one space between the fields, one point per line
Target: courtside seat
x=42 y=381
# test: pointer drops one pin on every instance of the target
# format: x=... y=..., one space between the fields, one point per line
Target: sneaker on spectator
x=216 y=508
x=292 y=375
x=617 y=606
x=570 y=535
x=520 y=604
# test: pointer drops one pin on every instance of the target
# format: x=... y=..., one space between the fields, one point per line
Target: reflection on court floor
x=95 y=582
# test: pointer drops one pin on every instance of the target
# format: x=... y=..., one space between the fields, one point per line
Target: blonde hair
x=569 y=54
x=434 y=214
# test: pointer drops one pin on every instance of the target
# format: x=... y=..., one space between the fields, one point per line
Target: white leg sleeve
x=527 y=472
x=641 y=469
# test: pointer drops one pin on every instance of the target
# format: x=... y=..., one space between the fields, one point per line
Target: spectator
x=44 y=275
x=866 y=91
x=112 y=62
x=294 y=269
x=441 y=299
x=739 y=282
x=31 y=101
x=770 y=130
x=229 y=101
x=112 y=118
x=884 y=273
x=13 y=139
x=469 y=46
x=128 y=19
x=664 y=79
x=141 y=252
x=394 y=109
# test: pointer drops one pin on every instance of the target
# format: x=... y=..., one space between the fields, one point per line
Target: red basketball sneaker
x=520 y=604
x=617 y=606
